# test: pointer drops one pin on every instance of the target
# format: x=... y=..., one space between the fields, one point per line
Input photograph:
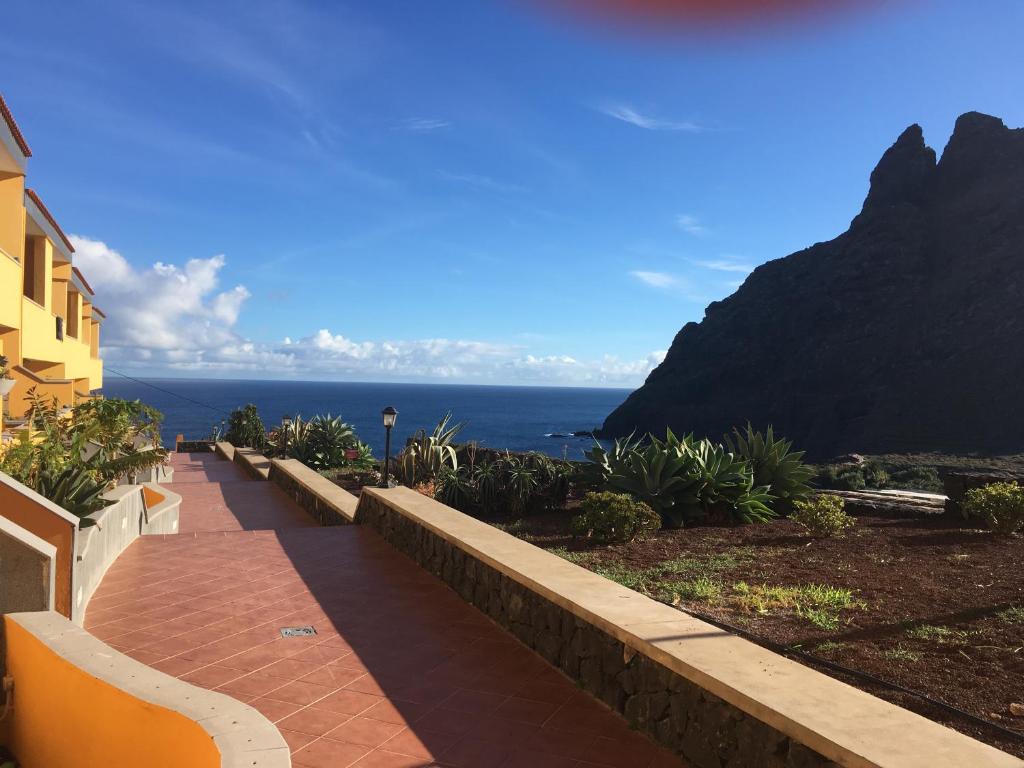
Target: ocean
x=516 y=418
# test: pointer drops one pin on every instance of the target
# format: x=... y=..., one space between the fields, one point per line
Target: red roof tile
x=49 y=217
x=15 y=130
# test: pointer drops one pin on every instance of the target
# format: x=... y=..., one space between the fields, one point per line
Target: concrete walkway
x=401 y=671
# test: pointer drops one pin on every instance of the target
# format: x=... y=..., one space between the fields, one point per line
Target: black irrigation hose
x=789 y=650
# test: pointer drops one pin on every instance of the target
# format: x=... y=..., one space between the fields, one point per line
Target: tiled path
x=401 y=672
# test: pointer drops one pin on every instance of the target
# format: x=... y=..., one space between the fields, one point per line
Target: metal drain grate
x=297 y=631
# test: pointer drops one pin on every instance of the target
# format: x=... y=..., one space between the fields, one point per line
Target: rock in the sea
x=905 y=333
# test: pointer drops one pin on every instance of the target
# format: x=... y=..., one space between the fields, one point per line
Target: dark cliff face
x=904 y=333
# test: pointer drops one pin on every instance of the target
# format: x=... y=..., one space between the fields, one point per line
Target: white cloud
x=175 y=319
x=161 y=308
x=691 y=224
x=726 y=265
x=627 y=114
x=423 y=124
x=655 y=279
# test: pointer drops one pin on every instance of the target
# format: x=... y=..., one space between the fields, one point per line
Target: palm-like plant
x=774 y=464
x=426 y=455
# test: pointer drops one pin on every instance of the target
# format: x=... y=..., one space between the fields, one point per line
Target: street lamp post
x=389 y=415
x=286 y=425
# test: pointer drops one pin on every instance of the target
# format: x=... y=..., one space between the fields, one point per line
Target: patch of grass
x=701 y=565
x=585 y=559
x=902 y=654
x=516 y=527
x=936 y=633
x=830 y=646
x=640 y=580
x=701 y=588
x=1014 y=615
x=820 y=604
x=930 y=632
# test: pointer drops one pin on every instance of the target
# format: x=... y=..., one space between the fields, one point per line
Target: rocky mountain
x=904 y=333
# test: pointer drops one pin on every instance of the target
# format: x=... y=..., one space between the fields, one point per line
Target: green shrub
x=875 y=475
x=1000 y=505
x=611 y=518
x=841 y=477
x=822 y=515
x=916 y=479
x=245 y=428
x=504 y=484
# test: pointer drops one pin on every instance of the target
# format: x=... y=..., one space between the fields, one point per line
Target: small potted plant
x=6 y=382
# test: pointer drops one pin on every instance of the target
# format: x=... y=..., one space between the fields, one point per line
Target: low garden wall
x=714 y=698
x=78 y=703
x=224 y=449
x=323 y=500
x=136 y=510
x=255 y=464
x=41 y=517
x=193 y=446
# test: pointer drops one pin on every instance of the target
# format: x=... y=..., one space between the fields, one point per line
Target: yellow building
x=49 y=328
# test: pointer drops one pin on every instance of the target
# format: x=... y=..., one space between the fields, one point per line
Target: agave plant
x=425 y=456
x=774 y=464
x=75 y=488
x=663 y=474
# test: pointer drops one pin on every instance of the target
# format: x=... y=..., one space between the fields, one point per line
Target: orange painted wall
x=65 y=718
x=37 y=519
x=152 y=497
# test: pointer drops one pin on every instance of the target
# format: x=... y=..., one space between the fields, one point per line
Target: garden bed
x=923 y=603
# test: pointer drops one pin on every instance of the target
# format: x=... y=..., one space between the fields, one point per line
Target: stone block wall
x=324 y=501
x=193 y=446
x=704 y=730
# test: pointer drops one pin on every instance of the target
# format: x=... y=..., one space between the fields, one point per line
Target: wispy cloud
x=655 y=279
x=726 y=265
x=691 y=224
x=628 y=114
x=481 y=182
x=422 y=124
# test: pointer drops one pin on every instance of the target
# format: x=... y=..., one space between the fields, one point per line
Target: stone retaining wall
x=255 y=464
x=193 y=446
x=327 y=503
x=716 y=699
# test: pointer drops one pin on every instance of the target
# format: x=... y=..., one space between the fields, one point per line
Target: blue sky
x=475 y=192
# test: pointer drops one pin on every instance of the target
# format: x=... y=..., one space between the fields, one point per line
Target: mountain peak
x=903 y=173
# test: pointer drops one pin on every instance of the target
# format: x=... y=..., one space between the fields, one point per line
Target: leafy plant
x=775 y=465
x=75 y=488
x=504 y=483
x=611 y=518
x=823 y=515
x=426 y=455
x=245 y=428
x=4 y=367
x=1000 y=505
x=683 y=479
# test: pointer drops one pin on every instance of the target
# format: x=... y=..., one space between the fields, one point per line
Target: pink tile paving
x=401 y=671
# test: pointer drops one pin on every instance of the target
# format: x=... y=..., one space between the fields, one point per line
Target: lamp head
x=390 y=415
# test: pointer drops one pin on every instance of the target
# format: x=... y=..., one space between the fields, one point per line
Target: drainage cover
x=297 y=631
